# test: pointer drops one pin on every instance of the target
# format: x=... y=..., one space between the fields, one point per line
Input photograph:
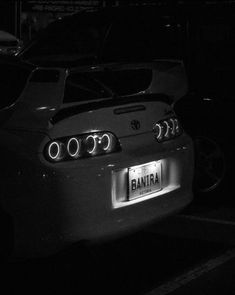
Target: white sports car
x=90 y=152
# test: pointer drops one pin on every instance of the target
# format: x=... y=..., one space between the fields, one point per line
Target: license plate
x=144 y=179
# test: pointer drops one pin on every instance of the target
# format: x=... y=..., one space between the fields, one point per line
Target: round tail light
x=55 y=151
x=73 y=147
x=90 y=144
x=158 y=131
x=105 y=142
x=172 y=127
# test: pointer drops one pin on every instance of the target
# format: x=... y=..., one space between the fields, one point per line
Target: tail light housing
x=167 y=129
x=81 y=146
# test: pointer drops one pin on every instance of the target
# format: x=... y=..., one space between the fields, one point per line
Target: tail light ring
x=106 y=148
x=76 y=153
x=58 y=150
x=66 y=152
x=94 y=141
x=167 y=129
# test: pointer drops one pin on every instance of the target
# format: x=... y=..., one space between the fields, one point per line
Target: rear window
x=109 y=36
x=74 y=38
x=12 y=82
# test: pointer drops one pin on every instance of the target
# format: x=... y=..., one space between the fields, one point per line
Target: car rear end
x=124 y=182
x=101 y=163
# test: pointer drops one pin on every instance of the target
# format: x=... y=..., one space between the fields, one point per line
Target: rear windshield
x=12 y=82
x=74 y=38
x=97 y=37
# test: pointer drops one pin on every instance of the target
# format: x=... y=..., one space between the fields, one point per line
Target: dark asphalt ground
x=137 y=264
x=130 y=266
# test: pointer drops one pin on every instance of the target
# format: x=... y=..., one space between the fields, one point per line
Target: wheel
x=209 y=164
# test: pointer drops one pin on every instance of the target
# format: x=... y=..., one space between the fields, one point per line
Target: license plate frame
x=144 y=180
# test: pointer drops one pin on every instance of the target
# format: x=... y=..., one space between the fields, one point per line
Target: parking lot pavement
x=215 y=276
x=191 y=253
x=214 y=224
x=134 y=265
x=204 y=223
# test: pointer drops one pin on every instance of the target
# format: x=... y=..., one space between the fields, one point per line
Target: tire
x=210 y=166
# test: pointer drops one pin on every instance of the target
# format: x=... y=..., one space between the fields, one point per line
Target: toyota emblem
x=135 y=124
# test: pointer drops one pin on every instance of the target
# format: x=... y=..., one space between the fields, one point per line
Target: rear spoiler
x=168 y=76
x=42 y=97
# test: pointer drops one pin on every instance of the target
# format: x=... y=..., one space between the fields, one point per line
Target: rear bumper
x=65 y=205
